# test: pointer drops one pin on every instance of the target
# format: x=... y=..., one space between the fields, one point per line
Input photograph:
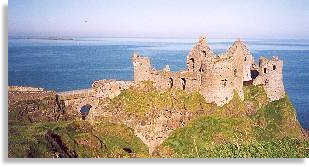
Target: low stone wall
x=76 y=94
x=74 y=100
x=110 y=88
x=24 y=89
x=17 y=96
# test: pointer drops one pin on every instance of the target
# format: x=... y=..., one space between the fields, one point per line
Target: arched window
x=235 y=72
x=274 y=67
x=264 y=70
x=245 y=58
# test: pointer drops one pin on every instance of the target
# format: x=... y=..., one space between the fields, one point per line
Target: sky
x=273 y=19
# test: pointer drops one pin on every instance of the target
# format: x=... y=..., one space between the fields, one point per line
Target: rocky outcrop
x=152 y=128
x=35 y=105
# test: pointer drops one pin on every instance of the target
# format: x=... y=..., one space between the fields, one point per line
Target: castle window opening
x=274 y=67
x=264 y=70
x=245 y=58
x=204 y=52
x=191 y=63
x=183 y=83
x=235 y=72
x=170 y=82
x=254 y=74
x=202 y=68
x=224 y=82
x=266 y=82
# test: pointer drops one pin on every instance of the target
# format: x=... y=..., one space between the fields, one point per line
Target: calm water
x=66 y=65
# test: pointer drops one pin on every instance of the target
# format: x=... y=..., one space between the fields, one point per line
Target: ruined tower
x=270 y=76
x=199 y=56
x=222 y=75
x=247 y=58
x=142 y=67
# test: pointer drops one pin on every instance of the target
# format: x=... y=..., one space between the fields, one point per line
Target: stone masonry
x=270 y=76
x=216 y=77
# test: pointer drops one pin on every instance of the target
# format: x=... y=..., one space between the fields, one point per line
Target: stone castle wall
x=271 y=77
x=109 y=88
x=216 y=77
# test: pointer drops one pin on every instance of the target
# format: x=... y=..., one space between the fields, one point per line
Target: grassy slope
x=272 y=131
x=78 y=138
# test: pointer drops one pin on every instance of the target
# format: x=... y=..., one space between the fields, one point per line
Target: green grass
x=102 y=139
x=145 y=98
x=256 y=95
x=283 y=148
x=276 y=120
x=209 y=131
x=235 y=108
x=272 y=132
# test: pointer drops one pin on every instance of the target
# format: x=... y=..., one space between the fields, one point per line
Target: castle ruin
x=216 y=77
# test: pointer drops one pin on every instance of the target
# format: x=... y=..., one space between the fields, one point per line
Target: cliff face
x=155 y=116
x=35 y=105
x=143 y=120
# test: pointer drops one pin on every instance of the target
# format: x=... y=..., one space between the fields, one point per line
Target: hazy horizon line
x=147 y=37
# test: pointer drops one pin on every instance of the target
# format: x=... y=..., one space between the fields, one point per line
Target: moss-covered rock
x=145 y=98
x=276 y=120
x=272 y=131
x=74 y=139
x=254 y=127
x=207 y=132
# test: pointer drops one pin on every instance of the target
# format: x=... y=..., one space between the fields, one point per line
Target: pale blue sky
x=160 y=18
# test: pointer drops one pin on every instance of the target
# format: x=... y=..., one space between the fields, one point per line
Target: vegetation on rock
x=74 y=139
x=254 y=127
x=273 y=131
x=144 y=98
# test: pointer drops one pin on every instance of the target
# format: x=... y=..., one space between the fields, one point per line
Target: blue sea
x=64 y=65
